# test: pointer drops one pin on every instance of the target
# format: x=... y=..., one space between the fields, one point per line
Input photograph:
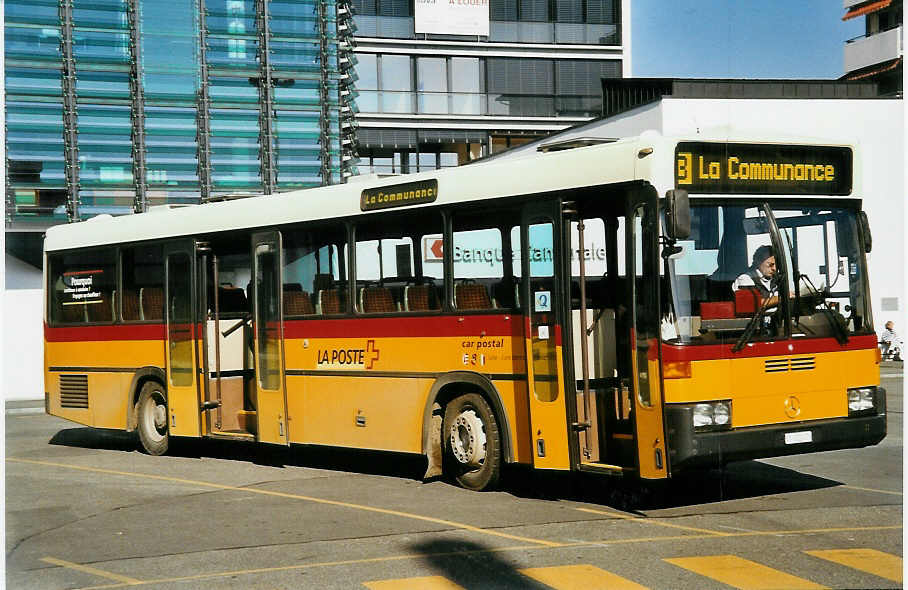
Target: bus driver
x=761 y=276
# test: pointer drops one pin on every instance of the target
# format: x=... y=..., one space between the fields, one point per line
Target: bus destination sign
x=755 y=169
x=399 y=195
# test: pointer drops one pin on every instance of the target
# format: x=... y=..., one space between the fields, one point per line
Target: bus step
x=605 y=468
x=246 y=420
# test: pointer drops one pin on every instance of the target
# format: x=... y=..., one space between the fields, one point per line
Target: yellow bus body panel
x=760 y=397
x=650 y=428
x=108 y=391
x=323 y=409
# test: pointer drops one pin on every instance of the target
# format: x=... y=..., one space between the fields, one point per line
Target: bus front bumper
x=713 y=449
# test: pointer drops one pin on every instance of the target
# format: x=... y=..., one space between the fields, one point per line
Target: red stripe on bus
x=116 y=332
x=390 y=327
x=703 y=352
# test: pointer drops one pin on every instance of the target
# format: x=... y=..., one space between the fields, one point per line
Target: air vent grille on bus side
x=74 y=391
x=776 y=366
x=807 y=363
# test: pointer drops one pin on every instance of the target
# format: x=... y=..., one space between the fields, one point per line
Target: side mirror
x=677 y=214
x=865 y=229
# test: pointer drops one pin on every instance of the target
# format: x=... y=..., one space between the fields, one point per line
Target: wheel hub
x=160 y=416
x=154 y=416
x=468 y=439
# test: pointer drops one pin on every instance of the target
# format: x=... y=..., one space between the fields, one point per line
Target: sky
x=740 y=38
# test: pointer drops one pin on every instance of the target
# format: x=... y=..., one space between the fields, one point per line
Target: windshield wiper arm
x=751 y=326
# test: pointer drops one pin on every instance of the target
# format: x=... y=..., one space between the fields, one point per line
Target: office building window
x=466 y=87
x=396 y=80
x=432 y=84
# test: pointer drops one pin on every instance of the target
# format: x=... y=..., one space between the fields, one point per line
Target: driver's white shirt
x=745 y=280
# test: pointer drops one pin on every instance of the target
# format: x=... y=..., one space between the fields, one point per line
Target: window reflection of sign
x=79 y=287
x=432 y=248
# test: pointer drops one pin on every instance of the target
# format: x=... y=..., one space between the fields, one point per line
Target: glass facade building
x=113 y=106
x=434 y=100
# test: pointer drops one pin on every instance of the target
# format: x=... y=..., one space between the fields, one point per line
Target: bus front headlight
x=861 y=400
x=712 y=416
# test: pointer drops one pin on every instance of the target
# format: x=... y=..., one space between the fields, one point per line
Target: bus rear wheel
x=472 y=443
x=151 y=414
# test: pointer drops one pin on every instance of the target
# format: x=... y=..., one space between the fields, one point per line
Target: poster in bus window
x=82 y=287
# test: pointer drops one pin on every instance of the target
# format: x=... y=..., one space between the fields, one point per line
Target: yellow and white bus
x=572 y=310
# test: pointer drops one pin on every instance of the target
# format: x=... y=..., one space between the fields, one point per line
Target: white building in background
x=820 y=109
x=23 y=331
x=877 y=54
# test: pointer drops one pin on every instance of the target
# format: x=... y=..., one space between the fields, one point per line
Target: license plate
x=794 y=438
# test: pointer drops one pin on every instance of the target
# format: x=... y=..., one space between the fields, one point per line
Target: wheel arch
x=141 y=376
x=449 y=386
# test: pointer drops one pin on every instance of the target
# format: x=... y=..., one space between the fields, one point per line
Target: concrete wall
x=23 y=329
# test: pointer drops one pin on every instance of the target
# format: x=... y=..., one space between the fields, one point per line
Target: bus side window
x=143 y=274
x=398 y=270
x=314 y=274
x=481 y=244
x=83 y=287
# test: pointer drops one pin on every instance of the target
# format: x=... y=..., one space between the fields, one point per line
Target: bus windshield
x=746 y=264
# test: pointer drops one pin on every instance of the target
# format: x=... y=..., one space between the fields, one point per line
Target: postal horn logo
x=792 y=407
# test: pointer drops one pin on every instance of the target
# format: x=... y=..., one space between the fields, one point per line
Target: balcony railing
x=873 y=49
x=463 y=103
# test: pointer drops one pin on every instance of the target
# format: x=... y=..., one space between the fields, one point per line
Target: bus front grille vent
x=74 y=391
x=807 y=363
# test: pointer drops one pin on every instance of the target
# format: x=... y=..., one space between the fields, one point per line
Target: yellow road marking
x=92 y=570
x=743 y=573
x=653 y=521
x=580 y=577
x=873 y=490
x=423 y=583
x=447 y=523
x=346 y=562
x=349 y=562
x=874 y=562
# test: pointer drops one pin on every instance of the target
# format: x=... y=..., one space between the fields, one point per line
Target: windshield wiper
x=792 y=255
x=751 y=326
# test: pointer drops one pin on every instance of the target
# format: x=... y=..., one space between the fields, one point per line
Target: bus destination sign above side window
x=399 y=195
x=755 y=169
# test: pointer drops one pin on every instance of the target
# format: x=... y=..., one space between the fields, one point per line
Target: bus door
x=540 y=263
x=642 y=238
x=184 y=335
x=268 y=322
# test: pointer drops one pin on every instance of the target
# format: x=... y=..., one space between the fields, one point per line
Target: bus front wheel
x=472 y=443
x=151 y=411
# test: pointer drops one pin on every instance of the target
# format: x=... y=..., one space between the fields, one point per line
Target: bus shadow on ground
x=472 y=566
x=743 y=480
x=328 y=458
x=95 y=438
x=747 y=479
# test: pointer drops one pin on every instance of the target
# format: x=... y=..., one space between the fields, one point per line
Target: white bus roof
x=609 y=163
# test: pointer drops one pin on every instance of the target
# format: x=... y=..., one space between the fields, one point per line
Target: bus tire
x=151 y=418
x=472 y=443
